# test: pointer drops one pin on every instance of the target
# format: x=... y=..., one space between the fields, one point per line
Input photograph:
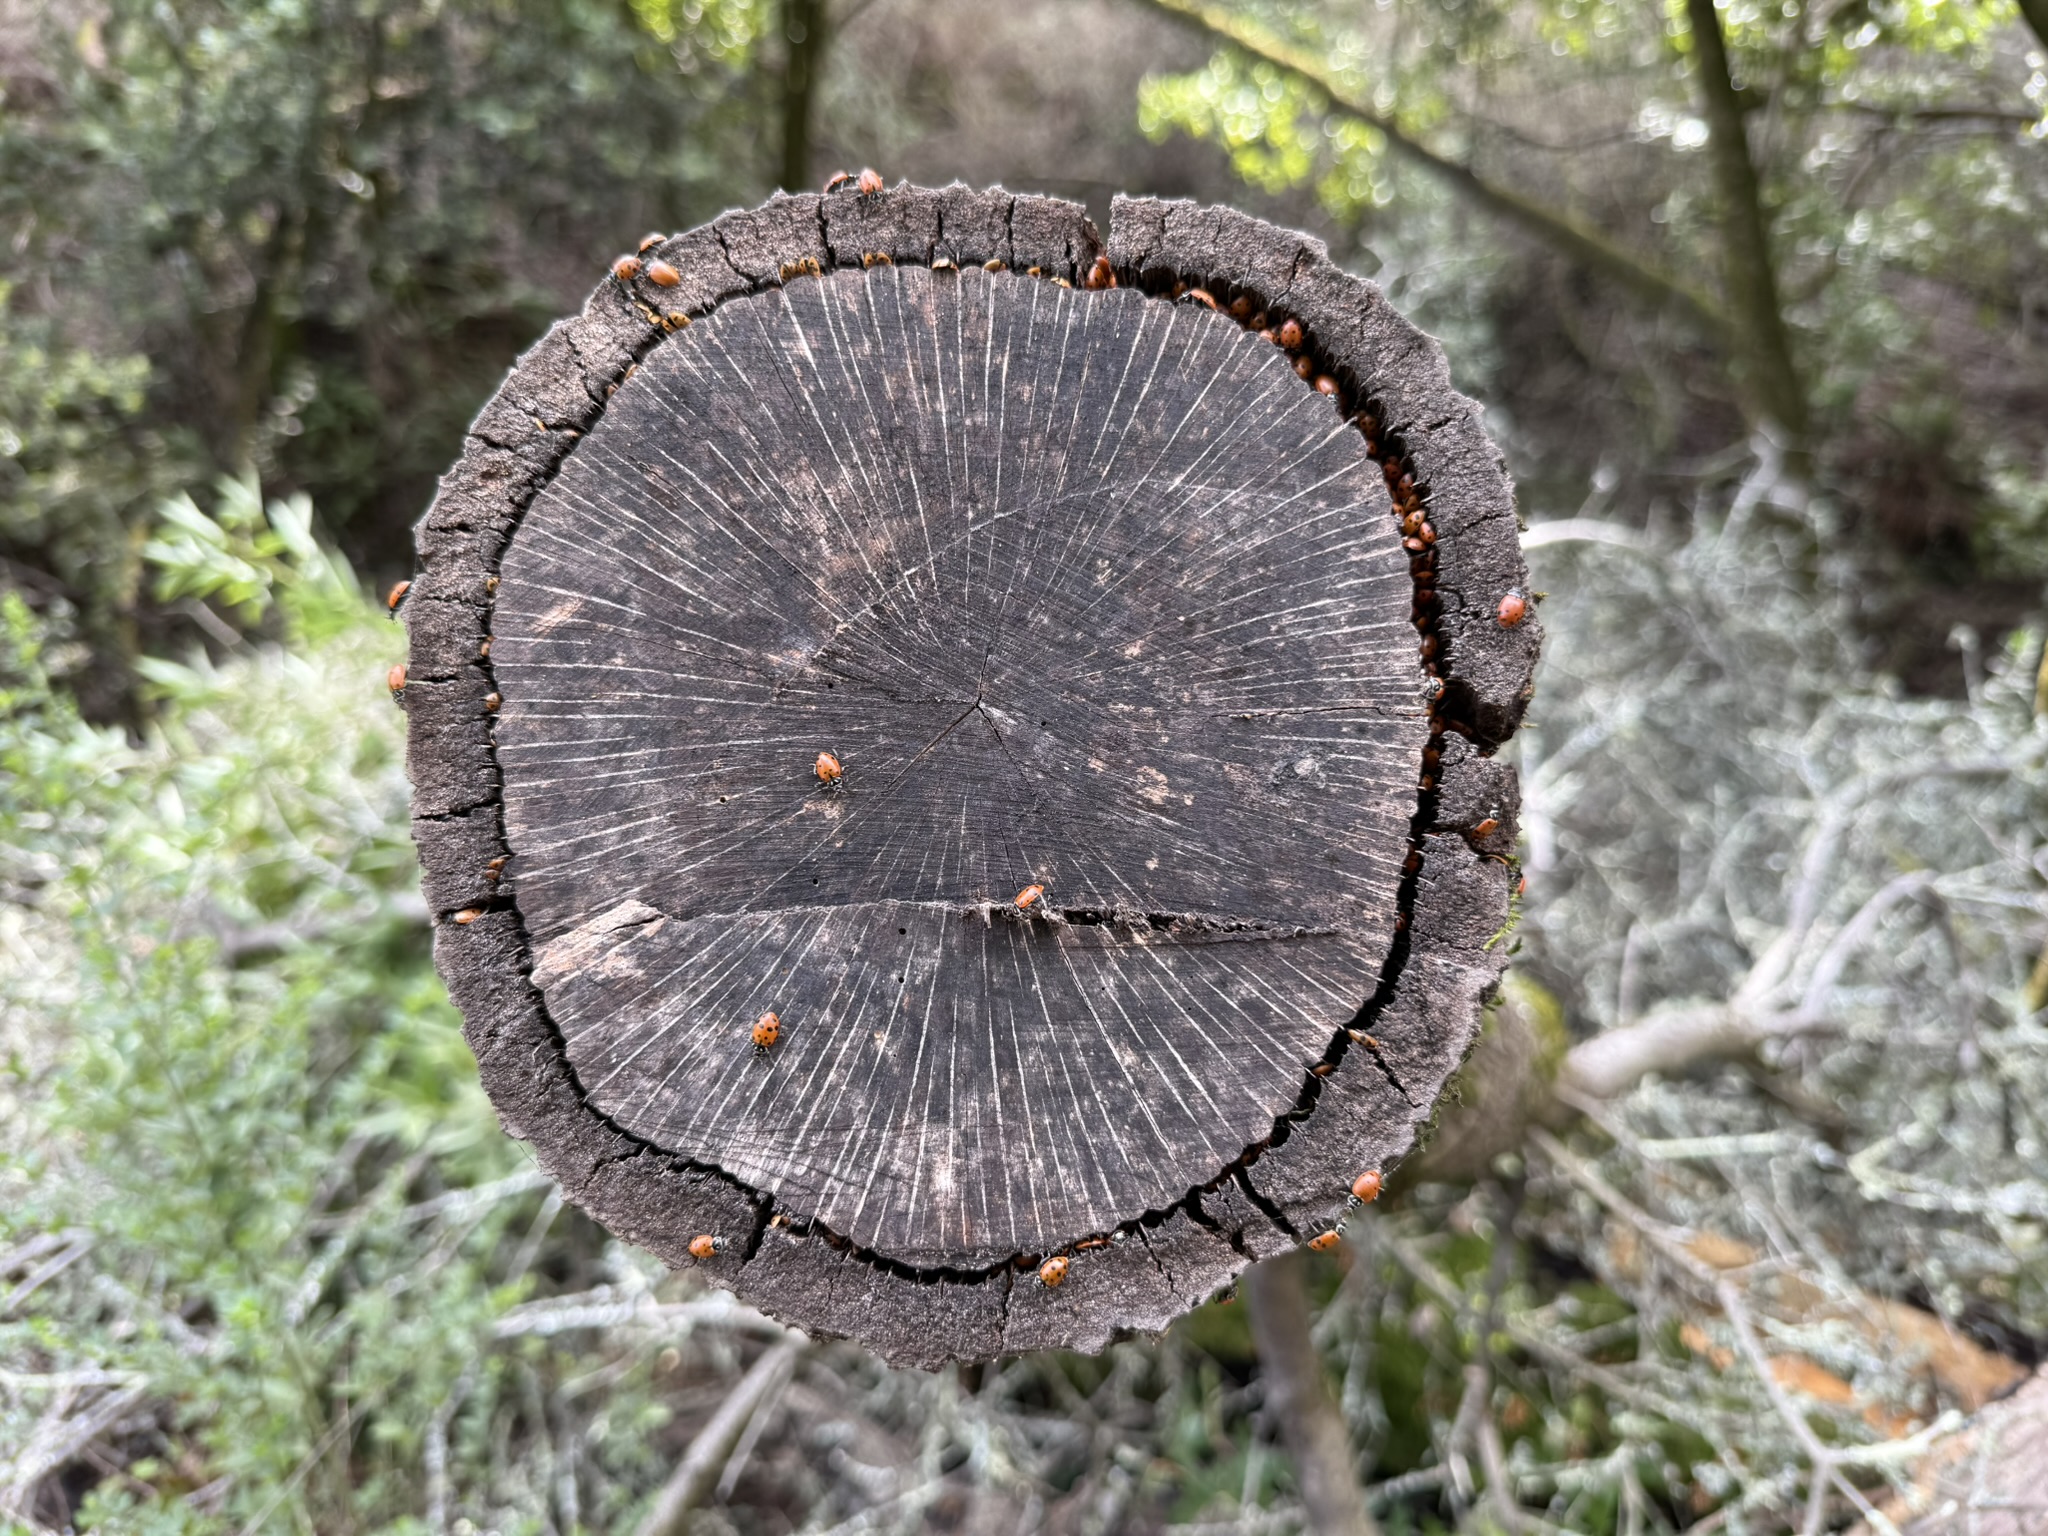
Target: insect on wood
x=1098 y=595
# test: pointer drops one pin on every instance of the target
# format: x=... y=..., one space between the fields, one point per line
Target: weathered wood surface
x=1089 y=589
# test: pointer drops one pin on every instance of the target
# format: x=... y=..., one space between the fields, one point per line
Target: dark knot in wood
x=1029 y=695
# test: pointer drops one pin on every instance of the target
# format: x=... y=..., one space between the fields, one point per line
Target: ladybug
x=870 y=181
x=1366 y=1187
x=662 y=275
x=1323 y=1242
x=1053 y=1271
x=1203 y=297
x=828 y=769
x=649 y=242
x=395 y=679
x=396 y=596
x=1513 y=609
x=493 y=700
x=1290 y=334
x=1030 y=896
x=1487 y=827
x=837 y=180
x=767 y=1030
x=468 y=915
x=1100 y=275
x=626 y=268
x=1325 y=385
x=704 y=1246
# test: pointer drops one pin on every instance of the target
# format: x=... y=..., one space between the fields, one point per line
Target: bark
x=1750 y=270
x=1314 y=1432
x=804 y=27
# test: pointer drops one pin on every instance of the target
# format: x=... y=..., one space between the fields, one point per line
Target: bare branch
x=1587 y=246
x=693 y=1476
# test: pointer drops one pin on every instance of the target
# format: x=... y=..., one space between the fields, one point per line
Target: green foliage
x=248 y=554
x=76 y=460
x=255 y=1079
x=1896 y=161
x=308 y=236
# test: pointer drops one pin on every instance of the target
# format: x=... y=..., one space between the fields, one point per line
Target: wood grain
x=1085 y=589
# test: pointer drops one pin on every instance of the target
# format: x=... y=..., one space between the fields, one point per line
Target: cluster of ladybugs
x=1418 y=534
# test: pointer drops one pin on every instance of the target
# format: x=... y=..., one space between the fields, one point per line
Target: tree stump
x=1162 y=660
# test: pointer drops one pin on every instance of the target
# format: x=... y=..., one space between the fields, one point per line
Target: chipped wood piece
x=1088 y=592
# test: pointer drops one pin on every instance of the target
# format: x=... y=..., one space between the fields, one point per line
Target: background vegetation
x=1756 y=298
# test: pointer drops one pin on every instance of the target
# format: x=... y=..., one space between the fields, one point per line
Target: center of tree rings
x=1087 y=591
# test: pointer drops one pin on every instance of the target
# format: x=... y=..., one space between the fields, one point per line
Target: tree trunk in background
x=803 y=30
x=1751 y=276
x=1314 y=1432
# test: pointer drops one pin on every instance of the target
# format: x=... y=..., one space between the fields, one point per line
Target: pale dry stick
x=435 y=1453
x=736 y=1463
x=1824 y=1467
x=1464 y=1427
x=78 y=1243
x=599 y=1310
x=693 y=1476
x=65 y=1438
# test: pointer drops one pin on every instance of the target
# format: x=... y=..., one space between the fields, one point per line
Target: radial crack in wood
x=1013 y=694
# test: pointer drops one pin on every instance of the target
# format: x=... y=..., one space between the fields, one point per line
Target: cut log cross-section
x=954 y=766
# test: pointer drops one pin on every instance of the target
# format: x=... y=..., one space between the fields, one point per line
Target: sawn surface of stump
x=1088 y=589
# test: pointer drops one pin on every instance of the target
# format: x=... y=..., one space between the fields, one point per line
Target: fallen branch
x=699 y=1468
x=1310 y=1426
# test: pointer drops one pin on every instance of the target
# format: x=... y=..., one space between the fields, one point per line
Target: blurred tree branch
x=1750 y=272
x=1588 y=247
x=1317 y=1440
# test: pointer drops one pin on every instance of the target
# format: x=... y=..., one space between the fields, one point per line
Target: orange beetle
x=1323 y=1242
x=870 y=181
x=767 y=1030
x=1053 y=1270
x=1290 y=334
x=829 y=771
x=704 y=1246
x=468 y=915
x=663 y=275
x=649 y=242
x=1487 y=827
x=395 y=679
x=837 y=180
x=1203 y=297
x=1030 y=896
x=1513 y=609
x=1100 y=275
x=626 y=268
x=397 y=596
x=1366 y=1187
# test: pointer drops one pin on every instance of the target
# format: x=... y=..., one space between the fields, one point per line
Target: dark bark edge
x=1383 y=1076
